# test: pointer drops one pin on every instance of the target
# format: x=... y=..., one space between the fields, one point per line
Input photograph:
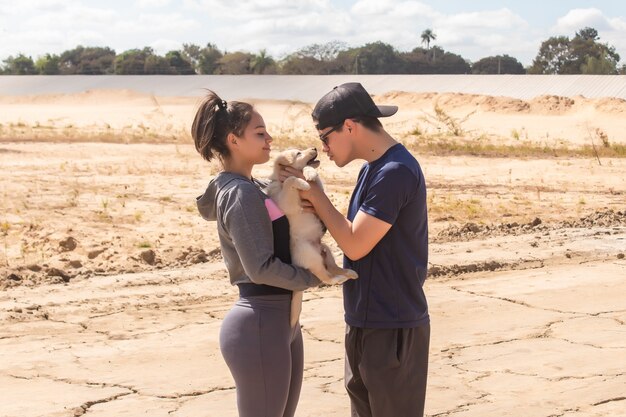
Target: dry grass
x=128 y=198
x=70 y=133
x=452 y=138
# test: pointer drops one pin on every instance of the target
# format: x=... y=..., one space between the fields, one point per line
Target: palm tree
x=427 y=36
x=261 y=61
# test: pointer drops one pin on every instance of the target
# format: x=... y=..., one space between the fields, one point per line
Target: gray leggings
x=264 y=355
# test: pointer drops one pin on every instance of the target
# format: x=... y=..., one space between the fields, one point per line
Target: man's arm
x=356 y=239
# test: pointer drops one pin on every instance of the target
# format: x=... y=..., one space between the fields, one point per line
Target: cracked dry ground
x=527 y=316
x=540 y=339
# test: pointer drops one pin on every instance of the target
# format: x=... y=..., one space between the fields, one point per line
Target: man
x=385 y=240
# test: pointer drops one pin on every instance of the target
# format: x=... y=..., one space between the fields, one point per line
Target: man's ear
x=349 y=124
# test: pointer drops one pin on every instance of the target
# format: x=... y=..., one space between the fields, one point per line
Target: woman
x=263 y=352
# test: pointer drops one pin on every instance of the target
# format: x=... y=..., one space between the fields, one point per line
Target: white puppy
x=305 y=229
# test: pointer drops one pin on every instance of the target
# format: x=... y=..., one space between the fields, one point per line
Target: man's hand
x=286 y=172
x=307 y=207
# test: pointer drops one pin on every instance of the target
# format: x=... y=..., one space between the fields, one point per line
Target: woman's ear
x=231 y=139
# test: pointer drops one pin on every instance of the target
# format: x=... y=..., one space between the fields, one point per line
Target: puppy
x=305 y=229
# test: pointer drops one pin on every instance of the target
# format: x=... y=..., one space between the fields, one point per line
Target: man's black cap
x=346 y=101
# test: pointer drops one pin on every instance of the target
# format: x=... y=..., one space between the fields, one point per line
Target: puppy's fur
x=305 y=229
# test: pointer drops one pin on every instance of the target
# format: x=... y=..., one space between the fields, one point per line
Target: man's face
x=336 y=143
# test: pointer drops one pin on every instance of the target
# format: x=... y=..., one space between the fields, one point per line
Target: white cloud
x=487 y=20
x=388 y=10
x=577 y=19
x=371 y=7
x=151 y=4
x=249 y=10
x=156 y=23
x=163 y=46
x=35 y=27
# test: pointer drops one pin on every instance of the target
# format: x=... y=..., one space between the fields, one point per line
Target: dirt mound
x=85 y=97
x=545 y=104
x=435 y=271
x=612 y=105
x=608 y=218
x=503 y=104
x=470 y=231
x=551 y=104
x=68 y=266
x=402 y=98
x=493 y=104
x=451 y=101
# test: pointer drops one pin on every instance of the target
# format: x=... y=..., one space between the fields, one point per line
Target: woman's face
x=254 y=144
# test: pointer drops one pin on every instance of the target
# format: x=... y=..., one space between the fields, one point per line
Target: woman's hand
x=287 y=171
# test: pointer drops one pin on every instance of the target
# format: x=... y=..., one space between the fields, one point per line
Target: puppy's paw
x=310 y=174
x=350 y=274
x=297 y=183
x=302 y=185
x=290 y=182
x=338 y=279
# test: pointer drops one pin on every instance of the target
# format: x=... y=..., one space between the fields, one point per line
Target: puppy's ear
x=285 y=158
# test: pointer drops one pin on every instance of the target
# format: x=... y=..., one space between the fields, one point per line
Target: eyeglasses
x=324 y=136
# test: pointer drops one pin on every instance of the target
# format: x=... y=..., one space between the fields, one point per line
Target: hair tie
x=222 y=104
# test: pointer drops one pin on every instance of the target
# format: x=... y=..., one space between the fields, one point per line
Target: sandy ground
x=550 y=121
x=112 y=289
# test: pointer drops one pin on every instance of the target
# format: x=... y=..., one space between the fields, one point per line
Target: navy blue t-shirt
x=389 y=291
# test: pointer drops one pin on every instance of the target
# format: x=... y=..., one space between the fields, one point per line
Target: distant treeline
x=582 y=54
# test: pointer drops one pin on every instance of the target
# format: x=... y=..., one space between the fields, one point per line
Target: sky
x=473 y=29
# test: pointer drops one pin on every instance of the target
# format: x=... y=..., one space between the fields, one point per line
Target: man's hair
x=370 y=123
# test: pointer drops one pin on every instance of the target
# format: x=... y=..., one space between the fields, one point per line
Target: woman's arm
x=247 y=221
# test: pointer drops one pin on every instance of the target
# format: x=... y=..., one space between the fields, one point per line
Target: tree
x=155 y=64
x=448 y=62
x=427 y=36
x=191 y=52
x=583 y=53
x=234 y=63
x=587 y=52
x=599 y=66
x=48 y=64
x=133 y=61
x=318 y=59
x=178 y=63
x=209 y=59
x=433 y=61
x=302 y=65
x=261 y=62
x=87 y=60
x=203 y=60
x=19 y=65
x=374 y=58
x=553 y=56
x=588 y=33
x=499 y=64
x=323 y=52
